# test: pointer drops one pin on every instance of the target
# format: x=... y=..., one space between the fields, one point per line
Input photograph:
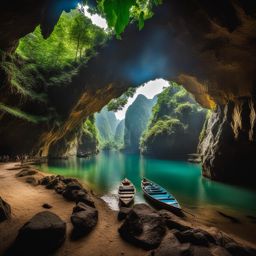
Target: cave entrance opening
x=159 y=118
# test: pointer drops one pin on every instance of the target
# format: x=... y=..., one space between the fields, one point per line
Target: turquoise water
x=104 y=172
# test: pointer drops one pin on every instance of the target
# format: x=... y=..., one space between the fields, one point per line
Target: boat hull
x=160 y=204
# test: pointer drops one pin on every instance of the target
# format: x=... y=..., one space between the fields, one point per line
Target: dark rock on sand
x=220 y=251
x=75 y=192
x=193 y=236
x=84 y=218
x=123 y=212
x=47 y=206
x=171 y=246
x=41 y=235
x=172 y=221
x=80 y=207
x=238 y=250
x=200 y=251
x=32 y=180
x=46 y=180
x=26 y=172
x=5 y=210
x=60 y=187
x=143 y=227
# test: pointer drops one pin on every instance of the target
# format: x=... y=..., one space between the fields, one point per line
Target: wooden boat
x=126 y=192
x=160 y=196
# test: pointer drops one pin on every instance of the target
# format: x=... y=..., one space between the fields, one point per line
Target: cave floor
x=27 y=200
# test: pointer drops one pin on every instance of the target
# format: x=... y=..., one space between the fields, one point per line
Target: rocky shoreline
x=67 y=228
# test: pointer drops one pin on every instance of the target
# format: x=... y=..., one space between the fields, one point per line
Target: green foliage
x=119 y=103
x=119 y=13
x=89 y=128
x=175 y=125
x=21 y=114
x=73 y=37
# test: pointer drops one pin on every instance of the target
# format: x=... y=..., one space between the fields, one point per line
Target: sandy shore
x=26 y=200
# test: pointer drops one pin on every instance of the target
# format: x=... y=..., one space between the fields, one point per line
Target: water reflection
x=105 y=171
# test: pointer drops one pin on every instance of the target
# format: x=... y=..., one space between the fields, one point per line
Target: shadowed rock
x=143 y=227
x=84 y=219
x=47 y=206
x=171 y=246
x=5 y=210
x=123 y=212
x=26 y=172
x=41 y=235
x=32 y=180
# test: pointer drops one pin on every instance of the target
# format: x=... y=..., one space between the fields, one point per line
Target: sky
x=149 y=90
x=95 y=18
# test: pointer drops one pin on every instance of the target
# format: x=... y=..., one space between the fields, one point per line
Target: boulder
x=75 y=192
x=80 y=207
x=217 y=251
x=196 y=237
x=26 y=172
x=171 y=246
x=46 y=180
x=31 y=180
x=123 y=212
x=143 y=227
x=41 y=235
x=172 y=221
x=47 y=206
x=60 y=187
x=84 y=218
x=5 y=210
x=200 y=251
x=238 y=250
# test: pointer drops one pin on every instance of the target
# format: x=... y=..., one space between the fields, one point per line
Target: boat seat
x=157 y=193
x=126 y=187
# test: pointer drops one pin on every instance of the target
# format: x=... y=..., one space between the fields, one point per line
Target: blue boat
x=160 y=196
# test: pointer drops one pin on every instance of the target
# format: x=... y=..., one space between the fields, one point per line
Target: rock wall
x=228 y=145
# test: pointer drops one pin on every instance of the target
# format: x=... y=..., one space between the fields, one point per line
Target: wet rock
x=32 y=180
x=201 y=251
x=26 y=172
x=46 y=180
x=84 y=219
x=172 y=221
x=196 y=237
x=83 y=196
x=53 y=182
x=171 y=246
x=47 y=206
x=238 y=250
x=143 y=227
x=75 y=192
x=41 y=235
x=5 y=210
x=123 y=212
x=220 y=251
x=60 y=187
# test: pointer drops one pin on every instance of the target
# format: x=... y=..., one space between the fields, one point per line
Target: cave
x=48 y=110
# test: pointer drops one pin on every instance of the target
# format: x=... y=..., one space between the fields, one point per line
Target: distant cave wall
x=229 y=143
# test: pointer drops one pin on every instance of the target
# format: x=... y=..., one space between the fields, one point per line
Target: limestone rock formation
x=228 y=144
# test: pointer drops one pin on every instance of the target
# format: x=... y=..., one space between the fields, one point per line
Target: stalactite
x=237 y=118
x=252 y=119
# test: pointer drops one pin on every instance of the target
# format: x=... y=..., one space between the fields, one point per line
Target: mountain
x=119 y=134
x=175 y=127
x=136 y=120
x=106 y=123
